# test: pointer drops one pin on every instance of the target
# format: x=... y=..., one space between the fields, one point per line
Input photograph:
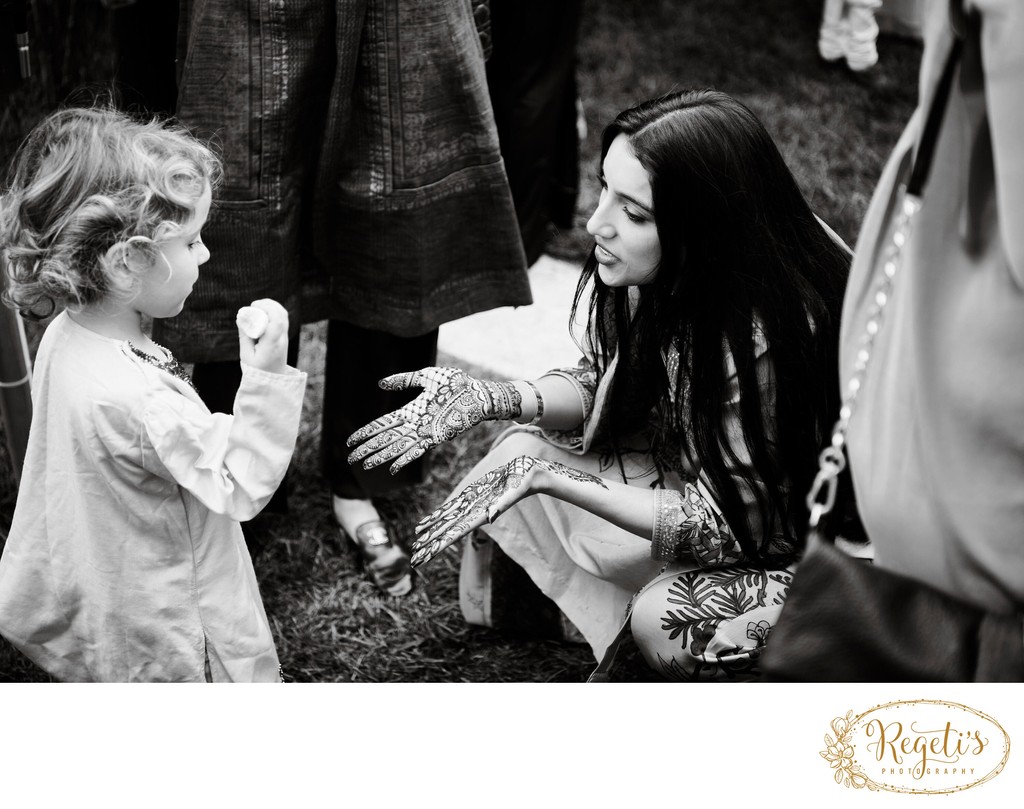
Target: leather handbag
x=847 y=620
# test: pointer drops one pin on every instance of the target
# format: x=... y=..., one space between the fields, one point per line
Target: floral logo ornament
x=839 y=754
x=924 y=747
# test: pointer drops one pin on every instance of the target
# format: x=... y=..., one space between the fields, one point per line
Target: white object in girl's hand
x=252 y=321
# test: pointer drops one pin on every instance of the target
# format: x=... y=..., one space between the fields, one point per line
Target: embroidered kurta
x=592 y=569
x=125 y=560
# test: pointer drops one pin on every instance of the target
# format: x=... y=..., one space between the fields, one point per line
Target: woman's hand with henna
x=484 y=500
x=451 y=403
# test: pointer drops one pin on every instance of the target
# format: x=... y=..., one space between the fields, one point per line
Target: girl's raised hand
x=269 y=350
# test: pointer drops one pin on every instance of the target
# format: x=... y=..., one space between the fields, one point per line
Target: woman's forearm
x=680 y=525
x=563 y=408
x=631 y=508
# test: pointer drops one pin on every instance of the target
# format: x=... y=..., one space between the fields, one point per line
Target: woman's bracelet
x=668 y=515
x=540 y=402
x=684 y=521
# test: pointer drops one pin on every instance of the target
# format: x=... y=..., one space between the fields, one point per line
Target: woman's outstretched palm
x=451 y=403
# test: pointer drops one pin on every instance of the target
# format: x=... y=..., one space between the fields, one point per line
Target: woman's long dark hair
x=740 y=246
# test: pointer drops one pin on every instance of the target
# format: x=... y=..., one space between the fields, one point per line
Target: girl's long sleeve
x=233 y=464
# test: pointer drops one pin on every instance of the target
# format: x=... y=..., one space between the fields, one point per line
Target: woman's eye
x=632 y=216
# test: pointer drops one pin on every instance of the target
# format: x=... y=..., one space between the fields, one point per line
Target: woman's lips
x=603 y=256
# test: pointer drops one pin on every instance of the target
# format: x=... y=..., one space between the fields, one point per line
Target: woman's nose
x=599 y=224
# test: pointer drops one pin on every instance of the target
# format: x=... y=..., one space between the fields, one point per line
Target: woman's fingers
x=413 y=450
x=441 y=535
x=383 y=447
x=440 y=518
x=402 y=381
x=457 y=516
x=385 y=422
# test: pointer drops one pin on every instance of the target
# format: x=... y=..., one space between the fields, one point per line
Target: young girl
x=685 y=441
x=125 y=560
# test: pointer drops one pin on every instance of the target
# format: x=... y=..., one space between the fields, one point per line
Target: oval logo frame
x=924 y=747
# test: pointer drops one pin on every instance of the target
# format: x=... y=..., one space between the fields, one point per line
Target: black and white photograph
x=507 y=378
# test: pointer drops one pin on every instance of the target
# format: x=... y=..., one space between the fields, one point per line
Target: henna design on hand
x=477 y=504
x=451 y=403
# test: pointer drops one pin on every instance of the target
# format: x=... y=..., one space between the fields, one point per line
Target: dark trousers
x=357 y=359
x=145 y=39
x=531 y=76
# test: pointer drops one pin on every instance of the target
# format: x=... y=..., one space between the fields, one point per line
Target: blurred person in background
x=849 y=33
x=936 y=444
x=531 y=77
x=363 y=185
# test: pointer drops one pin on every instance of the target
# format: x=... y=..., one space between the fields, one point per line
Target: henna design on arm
x=475 y=504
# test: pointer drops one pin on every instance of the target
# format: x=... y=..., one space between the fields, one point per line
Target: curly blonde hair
x=87 y=180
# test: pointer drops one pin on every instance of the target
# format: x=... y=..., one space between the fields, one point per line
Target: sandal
x=387 y=564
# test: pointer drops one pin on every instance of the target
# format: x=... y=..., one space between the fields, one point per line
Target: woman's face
x=628 y=250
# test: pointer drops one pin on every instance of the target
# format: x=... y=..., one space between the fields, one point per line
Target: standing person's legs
x=145 y=39
x=357 y=359
x=531 y=77
x=268 y=124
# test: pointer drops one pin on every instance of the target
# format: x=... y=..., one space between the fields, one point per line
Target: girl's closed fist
x=263 y=335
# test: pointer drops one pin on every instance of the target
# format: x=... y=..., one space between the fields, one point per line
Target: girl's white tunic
x=125 y=559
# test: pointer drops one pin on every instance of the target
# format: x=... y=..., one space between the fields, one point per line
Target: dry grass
x=330 y=623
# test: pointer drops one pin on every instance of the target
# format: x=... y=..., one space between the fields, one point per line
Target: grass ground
x=835 y=131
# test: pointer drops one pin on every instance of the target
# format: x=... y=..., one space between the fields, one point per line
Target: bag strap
x=936 y=112
x=832 y=461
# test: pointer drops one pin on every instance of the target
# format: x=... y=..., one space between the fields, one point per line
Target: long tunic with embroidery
x=589 y=567
x=125 y=560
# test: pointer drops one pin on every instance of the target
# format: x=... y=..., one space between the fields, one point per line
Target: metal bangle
x=540 y=402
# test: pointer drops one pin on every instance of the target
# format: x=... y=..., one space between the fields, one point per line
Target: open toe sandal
x=387 y=564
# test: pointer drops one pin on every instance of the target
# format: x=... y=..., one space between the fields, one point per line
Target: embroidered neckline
x=170 y=365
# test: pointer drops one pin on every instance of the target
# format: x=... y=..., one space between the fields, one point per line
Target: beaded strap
x=832 y=460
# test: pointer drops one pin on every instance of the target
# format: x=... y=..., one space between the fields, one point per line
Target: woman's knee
x=703 y=624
